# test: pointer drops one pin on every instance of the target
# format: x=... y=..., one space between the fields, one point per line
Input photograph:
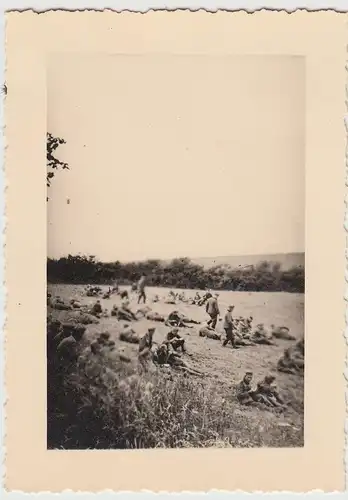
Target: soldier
x=154 y=316
x=229 y=327
x=249 y=323
x=129 y=335
x=175 y=318
x=176 y=341
x=160 y=355
x=60 y=305
x=170 y=299
x=124 y=294
x=209 y=332
x=121 y=314
x=260 y=336
x=204 y=299
x=75 y=304
x=281 y=332
x=287 y=365
x=83 y=317
x=141 y=289
x=125 y=307
x=68 y=347
x=96 y=309
x=174 y=360
x=267 y=393
x=145 y=346
x=244 y=390
x=54 y=328
x=212 y=308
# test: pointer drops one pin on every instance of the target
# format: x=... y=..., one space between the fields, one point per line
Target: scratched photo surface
x=204 y=346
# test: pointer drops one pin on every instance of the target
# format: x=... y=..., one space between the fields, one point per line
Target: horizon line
x=163 y=259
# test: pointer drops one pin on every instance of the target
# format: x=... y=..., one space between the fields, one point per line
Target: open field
x=225 y=367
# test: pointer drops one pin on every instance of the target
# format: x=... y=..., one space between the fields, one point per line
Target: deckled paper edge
x=3 y=234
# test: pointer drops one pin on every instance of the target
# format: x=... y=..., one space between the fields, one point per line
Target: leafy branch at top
x=53 y=163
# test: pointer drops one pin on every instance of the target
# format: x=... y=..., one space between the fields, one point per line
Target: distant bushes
x=179 y=273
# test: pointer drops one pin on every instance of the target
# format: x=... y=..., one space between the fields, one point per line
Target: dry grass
x=103 y=403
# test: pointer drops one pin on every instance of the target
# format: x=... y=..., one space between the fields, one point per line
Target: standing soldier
x=212 y=308
x=228 y=327
x=141 y=288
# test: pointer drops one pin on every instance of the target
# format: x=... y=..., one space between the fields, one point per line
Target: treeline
x=179 y=273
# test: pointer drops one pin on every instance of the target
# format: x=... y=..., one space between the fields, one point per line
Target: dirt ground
x=224 y=366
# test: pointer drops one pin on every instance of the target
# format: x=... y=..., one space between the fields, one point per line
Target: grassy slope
x=233 y=424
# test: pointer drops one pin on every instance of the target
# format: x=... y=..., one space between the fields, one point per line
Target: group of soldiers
x=171 y=352
x=266 y=392
x=63 y=341
x=168 y=353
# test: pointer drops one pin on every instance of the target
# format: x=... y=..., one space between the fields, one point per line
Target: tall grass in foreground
x=103 y=403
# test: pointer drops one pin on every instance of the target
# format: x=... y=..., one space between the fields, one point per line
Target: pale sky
x=196 y=156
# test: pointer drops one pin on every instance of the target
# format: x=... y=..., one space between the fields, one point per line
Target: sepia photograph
x=175 y=251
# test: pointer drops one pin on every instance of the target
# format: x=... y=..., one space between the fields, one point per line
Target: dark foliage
x=179 y=273
x=53 y=163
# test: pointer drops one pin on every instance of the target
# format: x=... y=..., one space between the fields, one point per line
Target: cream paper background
x=31 y=40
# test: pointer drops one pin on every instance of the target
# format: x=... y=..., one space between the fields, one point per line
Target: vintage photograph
x=175 y=251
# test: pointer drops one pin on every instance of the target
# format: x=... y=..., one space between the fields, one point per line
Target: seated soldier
x=244 y=390
x=260 y=336
x=67 y=349
x=75 y=304
x=53 y=330
x=175 y=318
x=267 y=393
x=114 y=310
x=174 y=359
x=121 y=314
x=65 y=330
x=209 y=332
x=287 y=365
x=298 y=359
x=281 y=332
x=176 y=341
x=100 y=343
x=245 y=328
x=82 y=317
x=249 y=323
x=242 y=339
x=129 y=335
x=145 y=347
x=60 y=305
x=142 y=312
x=105 y=313
x=154 y=316
x=125 y=307
x=160 y=355
x=169 y=300
x=96 y=309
